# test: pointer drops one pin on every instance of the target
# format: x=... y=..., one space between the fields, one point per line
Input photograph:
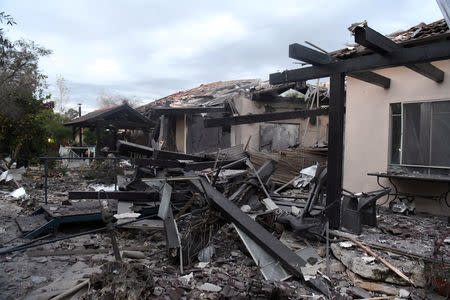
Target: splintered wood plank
x=145 y=225
x=77 y=209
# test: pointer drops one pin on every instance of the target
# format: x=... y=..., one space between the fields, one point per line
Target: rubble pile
x=212 y=226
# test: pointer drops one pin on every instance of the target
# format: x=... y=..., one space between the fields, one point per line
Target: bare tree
x=105 y=100
x=63 y=93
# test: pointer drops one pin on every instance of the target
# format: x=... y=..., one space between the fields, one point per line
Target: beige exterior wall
x=180 y=134
x=366 y=144
x=241 y=133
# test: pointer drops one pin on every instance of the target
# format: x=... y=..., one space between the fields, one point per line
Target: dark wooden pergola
x=385 y=53
x=114 y=118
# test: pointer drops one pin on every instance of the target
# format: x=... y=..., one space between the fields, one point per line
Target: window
x=420 y=137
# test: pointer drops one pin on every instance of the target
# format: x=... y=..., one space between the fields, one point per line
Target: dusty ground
x=53 y=268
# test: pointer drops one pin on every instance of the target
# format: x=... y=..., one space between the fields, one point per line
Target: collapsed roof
x=222 y=92
x=420 y=33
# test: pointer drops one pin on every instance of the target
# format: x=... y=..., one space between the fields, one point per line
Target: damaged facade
x=183 y=116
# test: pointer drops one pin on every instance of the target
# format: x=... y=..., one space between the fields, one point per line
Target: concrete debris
x=206 y=254
x=346 y=244
x=12 y=174
x=209 y=287
x=201 y=264
x=133 y=254
x=38 y=279
x=186 y=278
x=402 y=293
x=126 y=215
x=376 y=287
x=246 y=208
x=19 y=193
x=102 y=187
x=356 y=261
x=206 y=225
x=368 y=259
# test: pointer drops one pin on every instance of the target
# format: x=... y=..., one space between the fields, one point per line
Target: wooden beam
x=157 y=163
x=119 y=195
x=419 y=54
x=379 y=43
x=335 y=148
x=187 y=110
x=125 y=147
x=373 y=40
x=257 y=118
x=308 y=55
x=373 y=78
x=120 y=124
x=429 y=71
x=288 y=259
x=316 y=58
x=170 y=155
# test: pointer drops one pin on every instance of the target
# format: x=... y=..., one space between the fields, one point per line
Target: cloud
x=104 y=70
x=149 y=49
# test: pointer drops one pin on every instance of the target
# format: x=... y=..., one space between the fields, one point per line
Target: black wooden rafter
x=257 y=118
x=187 y=110
x=316 y=58
x=439 y=50
x=381 y=44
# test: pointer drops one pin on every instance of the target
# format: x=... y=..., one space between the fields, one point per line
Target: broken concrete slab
x=209 y=287
x=376 y=287
x=357 y=261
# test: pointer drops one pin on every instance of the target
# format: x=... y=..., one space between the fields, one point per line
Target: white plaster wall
x=366 y=144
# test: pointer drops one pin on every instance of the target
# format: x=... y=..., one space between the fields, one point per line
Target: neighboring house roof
x=420 y=33
x=205 y=95
x=217 y=94
x=122 y=114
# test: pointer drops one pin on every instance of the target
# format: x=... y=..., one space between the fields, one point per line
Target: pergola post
x=335 y=147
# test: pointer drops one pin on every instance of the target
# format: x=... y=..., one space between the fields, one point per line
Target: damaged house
x=208 y=206
x=183 y=114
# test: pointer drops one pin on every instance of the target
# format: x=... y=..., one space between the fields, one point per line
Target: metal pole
x=115 y=174
x=45 y=180
x=328 y=248
x=81 y=129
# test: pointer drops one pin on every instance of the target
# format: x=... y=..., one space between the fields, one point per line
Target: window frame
x=402 y=111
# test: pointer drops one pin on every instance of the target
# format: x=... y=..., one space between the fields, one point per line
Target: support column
x=74 y=133
x=97 y=140
x=335 y=147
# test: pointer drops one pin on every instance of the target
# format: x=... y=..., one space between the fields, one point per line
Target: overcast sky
x=150 y=49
